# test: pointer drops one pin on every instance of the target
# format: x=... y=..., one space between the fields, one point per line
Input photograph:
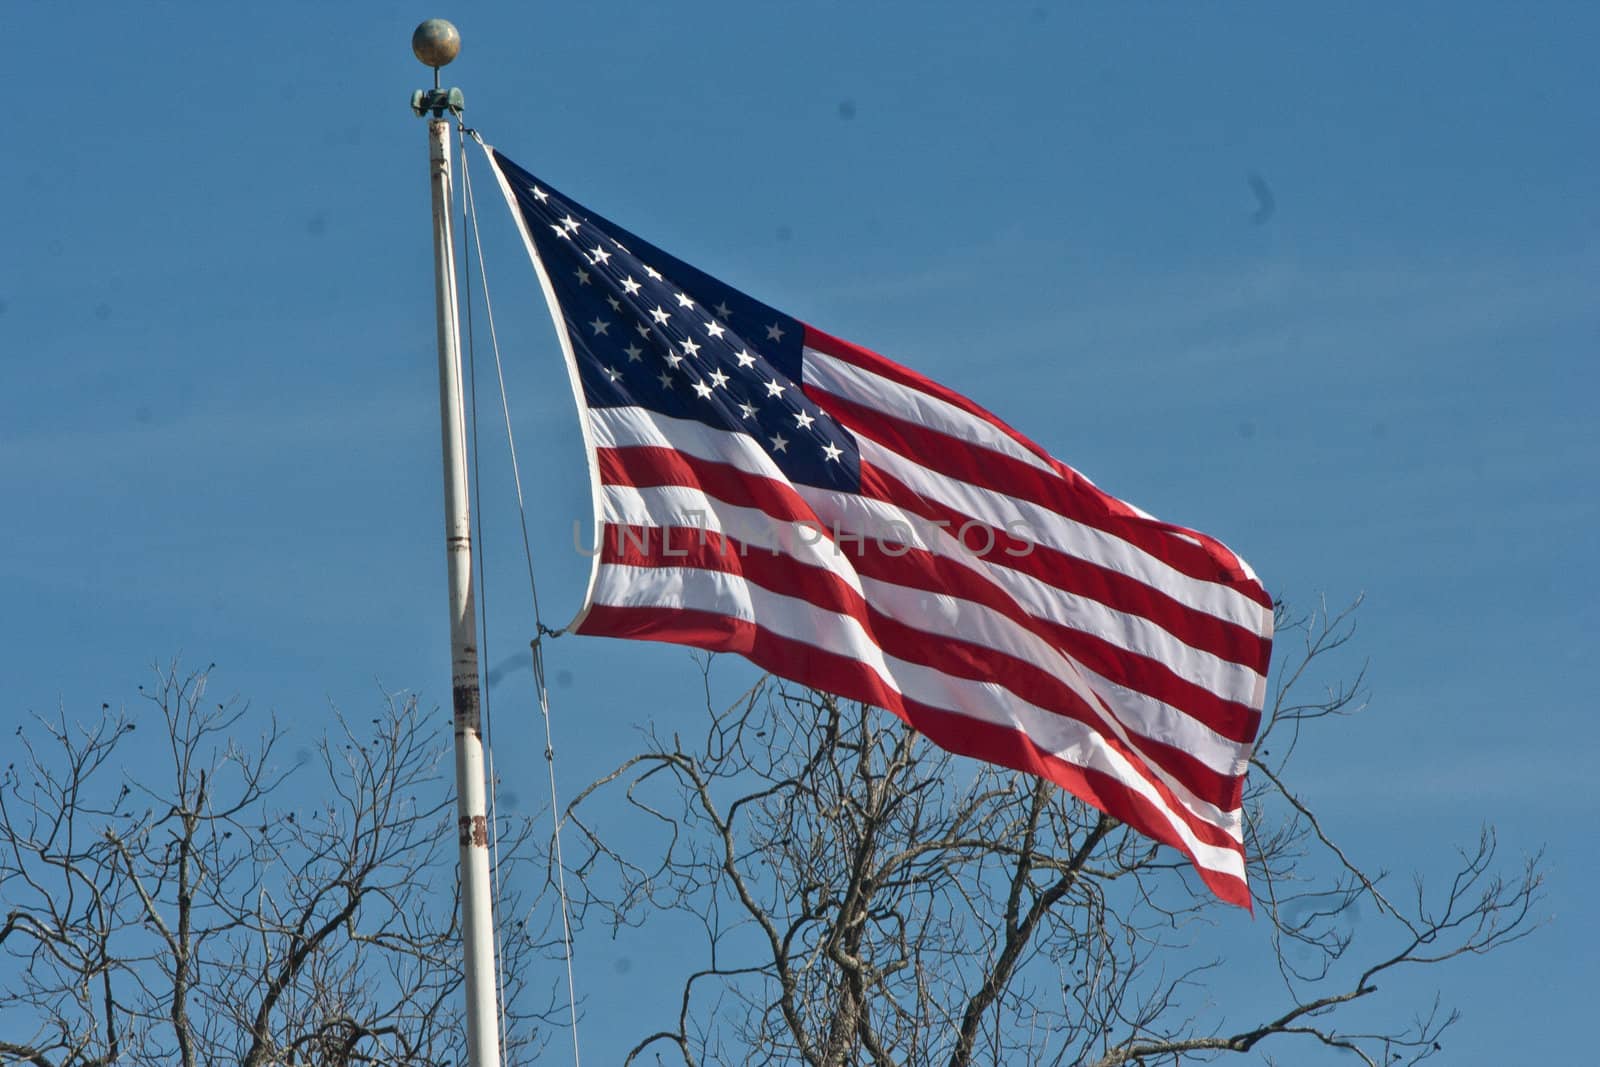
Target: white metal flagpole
x=436 y=43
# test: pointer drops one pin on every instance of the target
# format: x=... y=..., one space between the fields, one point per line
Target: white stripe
x=855 y=383
x=692 y=509
x=1049 y=528
x=890 y=525
x=886 y=524
x=1144 y=714
x=945 y=616
x=871 y=390
x=862 y=386
x=622 y=427
x=1157 y=720
x=1066 y=739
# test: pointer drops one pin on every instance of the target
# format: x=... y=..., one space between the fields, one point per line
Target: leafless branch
x=246 y=909
x=870 y=899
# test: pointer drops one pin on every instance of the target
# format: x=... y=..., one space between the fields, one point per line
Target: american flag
x=764 y=488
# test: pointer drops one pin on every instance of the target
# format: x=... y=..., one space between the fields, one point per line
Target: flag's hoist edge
x=1154 y=730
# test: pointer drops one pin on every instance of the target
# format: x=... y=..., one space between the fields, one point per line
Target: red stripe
x=1055 y=568
x=919 y=569
x=1104 y=511
x=706 y=550
x=884 y=367
x=853 y=680
x=645 y=467
x=1005 y=474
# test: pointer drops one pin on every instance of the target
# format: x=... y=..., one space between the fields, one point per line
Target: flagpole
x=436 y=43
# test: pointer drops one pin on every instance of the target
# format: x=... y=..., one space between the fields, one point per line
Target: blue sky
x=218 y=433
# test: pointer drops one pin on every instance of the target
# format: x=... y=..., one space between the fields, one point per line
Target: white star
x=774 y=332
x=774 y=388
x=561 y=231
x=722 y=310
x=634 y=352
x=745 y=358
x=714 y=328
x=599 y=255
x=630 y=286
x=659 y=314
x=539 y=194
x=614 y=375
x=747 y=410
x=690 y=347
x=832 y=451
x=599 y=326
x=616 y=305
x=666 y=380
x=702 y=390
x=684 y=301
x=673 y=359
x=569 y=223
x=779 y=443
x=652 y=272
x=583 y=276
x=643 y=330
x=718 y=378
x=804 y=421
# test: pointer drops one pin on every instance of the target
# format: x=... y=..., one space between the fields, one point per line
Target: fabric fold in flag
x=764 y=488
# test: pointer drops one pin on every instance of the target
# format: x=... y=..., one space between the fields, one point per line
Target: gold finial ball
x=436 y=42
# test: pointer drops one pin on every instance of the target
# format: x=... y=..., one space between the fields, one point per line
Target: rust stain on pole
x=473 y=830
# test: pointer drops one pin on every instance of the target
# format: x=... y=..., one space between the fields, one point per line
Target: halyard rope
x=480 y=546
x=470 y=218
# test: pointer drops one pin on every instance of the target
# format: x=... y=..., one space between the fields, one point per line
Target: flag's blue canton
x=648 y=330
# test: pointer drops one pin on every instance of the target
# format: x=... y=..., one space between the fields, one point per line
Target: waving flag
x=761 y=487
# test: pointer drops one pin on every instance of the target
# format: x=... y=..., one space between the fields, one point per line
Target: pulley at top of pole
x=435 y=43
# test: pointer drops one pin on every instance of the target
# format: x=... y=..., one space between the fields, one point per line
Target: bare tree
x=867 y=898
x=176 y=894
